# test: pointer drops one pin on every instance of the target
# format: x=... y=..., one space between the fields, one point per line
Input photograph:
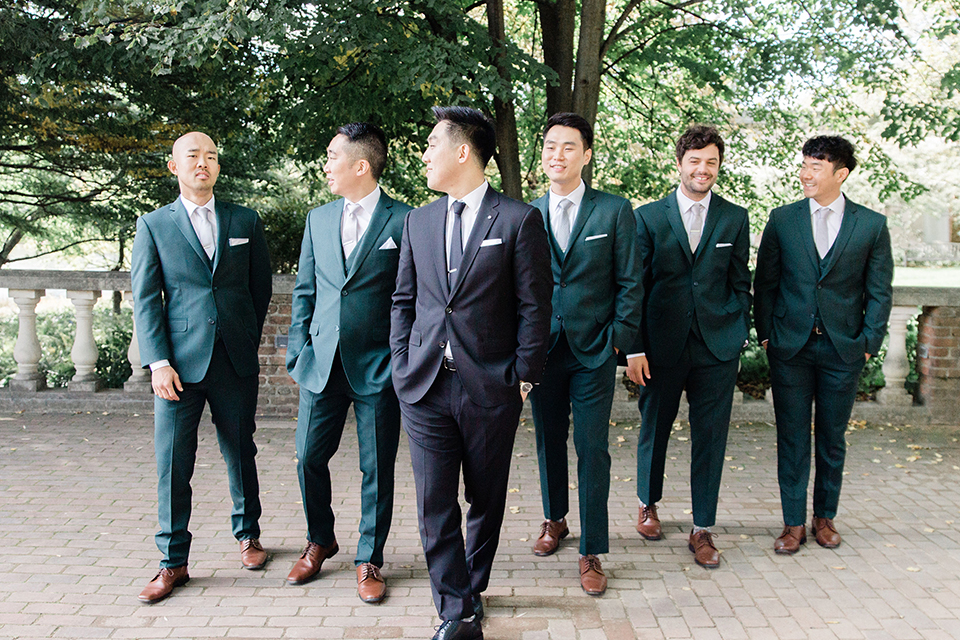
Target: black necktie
x=456 y=243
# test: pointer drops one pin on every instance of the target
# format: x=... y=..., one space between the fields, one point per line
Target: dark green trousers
x=569 y=386
x=319 y=428
x=233 y=404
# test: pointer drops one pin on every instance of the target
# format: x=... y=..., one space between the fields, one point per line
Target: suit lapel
x=180 y=217
x=713 y=218
x=223 y=232
x=378 y=220
x=543 y=204
x=847 y=226
x=676 y=223
x=485 y=217
x=587 y=205
x=438 y=220
x=805 y=232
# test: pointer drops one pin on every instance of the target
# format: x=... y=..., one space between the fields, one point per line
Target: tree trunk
x=8 y=246
x=557 y=20
x=586 y=87
x=508 y=148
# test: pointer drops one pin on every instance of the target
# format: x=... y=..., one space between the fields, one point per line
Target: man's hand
x=166 y=383
x=638 y=370
x=764 y=343
x=868 y=355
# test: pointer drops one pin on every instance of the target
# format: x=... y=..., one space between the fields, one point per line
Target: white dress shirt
x=833 y=221
x=467 y=219
x=575 y=196
x=367 y=204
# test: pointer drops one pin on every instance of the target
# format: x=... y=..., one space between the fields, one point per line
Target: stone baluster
x=84 y=352
x=27 y=349
x=139 y=380
x=896 y=367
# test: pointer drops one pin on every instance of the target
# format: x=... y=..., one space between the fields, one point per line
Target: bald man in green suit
x=339 y=351
x=201 y=286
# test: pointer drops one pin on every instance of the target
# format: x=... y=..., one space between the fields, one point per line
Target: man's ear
x=172 y=166
x=463 y=153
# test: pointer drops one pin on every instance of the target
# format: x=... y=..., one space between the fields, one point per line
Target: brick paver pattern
x=78 y=514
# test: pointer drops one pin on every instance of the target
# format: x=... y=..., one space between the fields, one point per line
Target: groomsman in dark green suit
x=694 y=247
x=596 y=305
x=201 y=286
x=823 y=297
x=339 y=351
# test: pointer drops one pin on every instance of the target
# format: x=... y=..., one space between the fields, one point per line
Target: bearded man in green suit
x=823 y=298
x=201 y=286
x=596 y=312
x=339 y=350
x=694 y=247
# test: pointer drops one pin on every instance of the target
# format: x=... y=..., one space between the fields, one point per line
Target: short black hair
x=574 y=121
x=470 y=126
x=699 y=136
x=370 y=143
x=835 y=149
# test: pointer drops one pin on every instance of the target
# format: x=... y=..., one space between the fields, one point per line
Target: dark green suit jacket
x=852 y=290
x=712 y=285
x=333 y=307
x=596 y=283
x=182 y=301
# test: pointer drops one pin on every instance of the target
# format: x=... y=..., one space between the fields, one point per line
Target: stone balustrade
x=938 y=348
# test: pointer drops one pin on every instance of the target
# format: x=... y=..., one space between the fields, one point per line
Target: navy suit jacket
x=181 y=301
x=712 y=284
x=596 y=282
x=852 y=290
x=351 y=310
x=497 y=317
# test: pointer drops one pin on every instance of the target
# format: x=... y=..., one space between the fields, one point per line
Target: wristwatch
x=526 y=387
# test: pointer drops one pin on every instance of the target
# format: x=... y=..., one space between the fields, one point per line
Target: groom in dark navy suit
x=823 y=298
x=469 y=328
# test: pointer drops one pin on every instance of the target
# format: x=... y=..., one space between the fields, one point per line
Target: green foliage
x=754 y=376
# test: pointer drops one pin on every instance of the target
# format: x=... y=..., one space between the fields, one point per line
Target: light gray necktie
x=821 y=233
x=696 y=226
x=204 y=227
x=562 y=231
x=351 y=228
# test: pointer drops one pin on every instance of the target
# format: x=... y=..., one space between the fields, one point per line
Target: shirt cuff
x=159 y=364
x=635 y=355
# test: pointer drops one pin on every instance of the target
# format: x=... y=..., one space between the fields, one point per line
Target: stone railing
x=938 y=347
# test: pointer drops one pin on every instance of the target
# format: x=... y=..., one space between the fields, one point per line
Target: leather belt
x=449 y=364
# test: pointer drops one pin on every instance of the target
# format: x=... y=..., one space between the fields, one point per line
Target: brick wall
x=279 y=394
x=938 y=360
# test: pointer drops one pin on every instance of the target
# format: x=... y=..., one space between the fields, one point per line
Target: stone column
x=27 y=349
x=896 y=367
x=84 y=352
x=139 y=380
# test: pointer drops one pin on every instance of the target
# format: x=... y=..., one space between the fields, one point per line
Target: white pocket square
x=491 y=242
x=589 y=238
x=721 y=245
x=389 y=244
x=238 y=241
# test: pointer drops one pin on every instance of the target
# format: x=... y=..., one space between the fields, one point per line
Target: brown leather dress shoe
x=370 y=585
x=163 y=584
x=704 y=553
x=252 y=554
x=790 y=540
x=591 y=576
x=827 y=535
x=551 y=533
x=310 y=562
x=648 y=524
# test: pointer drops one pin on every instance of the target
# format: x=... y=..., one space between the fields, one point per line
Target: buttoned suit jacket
x=182 y=301
x=596 y=282
x=852 y=290
x=712 y=284
x=350 y=310
x=497 y=315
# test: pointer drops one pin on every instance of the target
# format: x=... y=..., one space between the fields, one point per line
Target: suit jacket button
x=689 y=313
x=211 y=321
x=696 y=284
x=442 y=345
x=819 y=286
x=448 y=310
x=563 y=284
x=344 y=292
x=559 y=318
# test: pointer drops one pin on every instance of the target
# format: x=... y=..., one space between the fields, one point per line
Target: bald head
x=196 y=164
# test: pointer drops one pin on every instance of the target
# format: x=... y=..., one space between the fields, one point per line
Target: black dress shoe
x=459 y=630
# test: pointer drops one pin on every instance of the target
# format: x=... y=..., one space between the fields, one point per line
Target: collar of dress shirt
x=575 y=196
x=191 y=206
x=684 y=203
x=836 y=206
x=472 y=199
x=368 y=202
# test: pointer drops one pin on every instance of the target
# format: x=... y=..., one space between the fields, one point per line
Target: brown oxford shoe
x=827 y=535
x=310 y=562
x=790 y=540
x=370 y=585
x=648 y=524
x=551 y=533
x=252 y=554
x=163 y=584
x=591 y=576
x=704 y=553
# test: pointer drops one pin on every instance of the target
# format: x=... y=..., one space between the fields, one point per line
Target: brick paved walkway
x=77 y=510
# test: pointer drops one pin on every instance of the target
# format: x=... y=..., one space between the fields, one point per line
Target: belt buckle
x=816 y=330
x=449 y=364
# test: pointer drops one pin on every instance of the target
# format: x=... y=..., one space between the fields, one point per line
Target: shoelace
x=591 y=563
x=369 y=571
x=650 y=512
x=705 y=537
x=250 y=542
x=307 y=548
